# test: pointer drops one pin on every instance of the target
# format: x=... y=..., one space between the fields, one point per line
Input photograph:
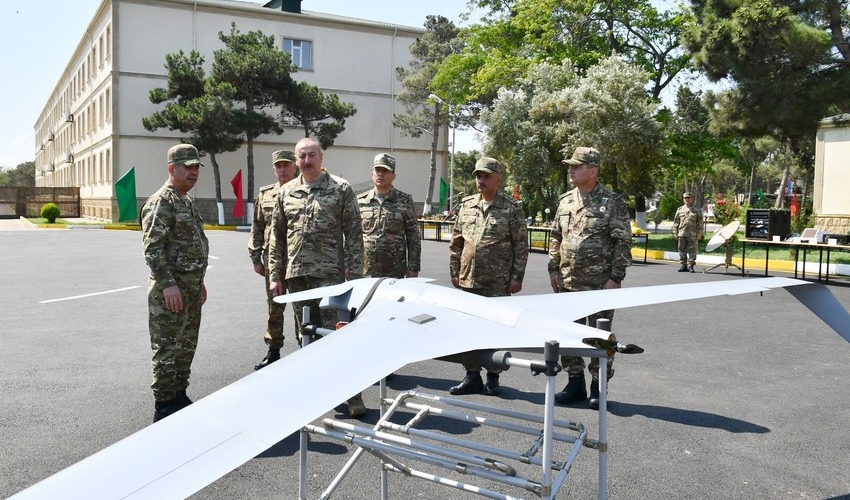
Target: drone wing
x=572 y=306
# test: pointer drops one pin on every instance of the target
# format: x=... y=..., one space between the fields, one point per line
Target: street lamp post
x=452 y=159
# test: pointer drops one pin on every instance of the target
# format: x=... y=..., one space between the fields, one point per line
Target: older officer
x=487 y=253
x=316 y=239
x=687 y=230
x=589 y=249
x=177 y=251
x=283 y=165
x=391 y=241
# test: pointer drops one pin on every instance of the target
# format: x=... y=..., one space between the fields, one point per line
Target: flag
x=238 y=210
x=795 y=205
x=125 y=193
x=516 y=192
x=444 y=193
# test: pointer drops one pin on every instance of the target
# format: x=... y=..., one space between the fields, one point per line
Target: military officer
x=317 y=238
x=283 y=165
x=487 y=253
x=177 y=252
x=687 y=231
x=391 y=241
x=589 y=249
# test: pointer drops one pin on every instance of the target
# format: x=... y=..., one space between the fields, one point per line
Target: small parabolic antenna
x=721 y=238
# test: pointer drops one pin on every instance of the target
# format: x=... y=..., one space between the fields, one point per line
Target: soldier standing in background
x=589 y=249
x=687 y=231
x=283 y=165
x=316 y=238
x=487 y=254
x=391 y=241
x=177 y=252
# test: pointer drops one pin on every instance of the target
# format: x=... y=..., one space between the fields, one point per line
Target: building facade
x=832 y=175
x=90 y=131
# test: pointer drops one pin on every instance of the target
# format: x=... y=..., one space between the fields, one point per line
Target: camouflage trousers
x=274 y=328
x=688 y=250
x=574 y=365
x=174 y=337
x=327 y=318
x=484 y=292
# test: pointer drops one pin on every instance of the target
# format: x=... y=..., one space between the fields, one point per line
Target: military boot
x=575 y=391
x=471 y=384
x=271 y=357
x=182 y=399
x=491 y=388
x=683 y=269
x=356 y=408
x=593 y=402
x=691 y=268
x=163 y=409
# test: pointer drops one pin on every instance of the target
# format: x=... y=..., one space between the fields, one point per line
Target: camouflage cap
x=583 y=156
x=687 y=195
x=283 y=155
x=385 y=160
x=489 y=165
x=185 y=154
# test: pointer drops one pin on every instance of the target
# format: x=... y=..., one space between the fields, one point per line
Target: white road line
x=88 y=295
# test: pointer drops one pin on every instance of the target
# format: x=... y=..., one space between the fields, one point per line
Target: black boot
x=182 y=399
x=163 y=409
x=574 y=392
x=271 y=357
x=593 y=402
x=491 y=388
x=471 y=384
x=691 y=268
x=683 y=269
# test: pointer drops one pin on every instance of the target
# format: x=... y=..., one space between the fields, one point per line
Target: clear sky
x=39 y=37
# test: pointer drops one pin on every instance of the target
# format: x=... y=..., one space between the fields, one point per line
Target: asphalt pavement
x=742 y=397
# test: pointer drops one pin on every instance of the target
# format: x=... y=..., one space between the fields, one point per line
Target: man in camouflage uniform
x=316 y=238
x=487 y=254
x=391 y=241
x=283 y=165
x=177 y=251
x=687 y=231
x=589 y=249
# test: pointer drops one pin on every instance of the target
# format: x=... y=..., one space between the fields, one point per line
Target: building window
x=301 y=52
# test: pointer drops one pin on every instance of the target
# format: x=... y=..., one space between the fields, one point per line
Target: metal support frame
x=399 y=446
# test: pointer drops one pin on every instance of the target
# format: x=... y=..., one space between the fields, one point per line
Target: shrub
x=725 y=210
x=50 y=212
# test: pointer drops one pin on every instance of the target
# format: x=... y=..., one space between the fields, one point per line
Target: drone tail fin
x=818 y=299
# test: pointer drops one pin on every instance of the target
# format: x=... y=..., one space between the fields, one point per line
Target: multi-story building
x=90 y=132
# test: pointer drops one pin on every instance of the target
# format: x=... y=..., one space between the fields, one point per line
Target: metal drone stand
x=399 y=445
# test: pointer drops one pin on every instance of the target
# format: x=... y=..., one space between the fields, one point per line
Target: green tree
x=694 y=149
x=428 y=51
x=197 y=105
x=21 y=176
x=517 y=34
x=788 y=62
x=318 y=114
x=259 y=73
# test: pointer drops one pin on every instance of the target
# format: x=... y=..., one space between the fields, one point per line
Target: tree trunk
x=217 y=177
x=426 y=209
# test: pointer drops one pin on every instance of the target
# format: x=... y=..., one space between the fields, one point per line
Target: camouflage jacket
x=261 y=225
x=590 y=240
x=391 y=240
x=488 y=248
x=174 y=242
x=687 y=222
x=316 y=231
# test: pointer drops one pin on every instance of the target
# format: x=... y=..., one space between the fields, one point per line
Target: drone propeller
x=611 y=345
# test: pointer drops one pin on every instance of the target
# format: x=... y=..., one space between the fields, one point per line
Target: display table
x=821 y=248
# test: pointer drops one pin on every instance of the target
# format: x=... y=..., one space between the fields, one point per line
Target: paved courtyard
x=743 y=397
